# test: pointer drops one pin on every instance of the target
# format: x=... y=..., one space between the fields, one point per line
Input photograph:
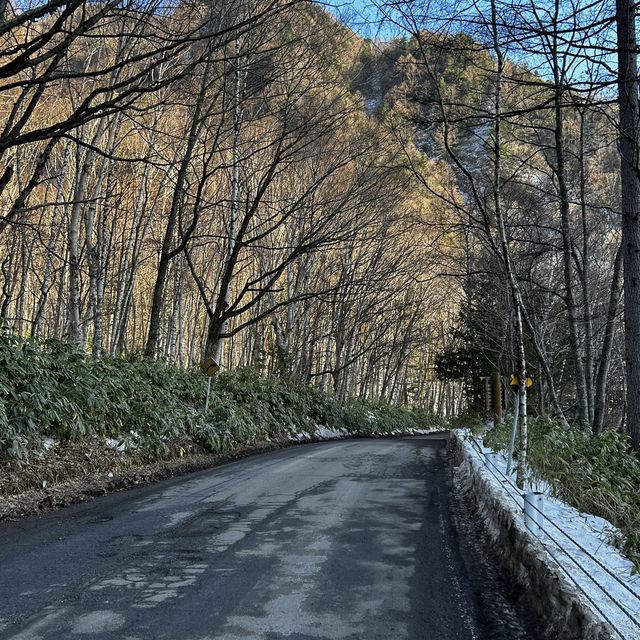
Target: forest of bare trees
x=256 y=183
x=533 y=105
x=200 y=180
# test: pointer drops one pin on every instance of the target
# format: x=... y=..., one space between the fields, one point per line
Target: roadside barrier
x=540 y=524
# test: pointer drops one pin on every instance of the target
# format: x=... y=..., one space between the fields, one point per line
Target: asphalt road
x=341 y=540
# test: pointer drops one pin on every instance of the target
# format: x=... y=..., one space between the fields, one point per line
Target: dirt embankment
x=71 y=473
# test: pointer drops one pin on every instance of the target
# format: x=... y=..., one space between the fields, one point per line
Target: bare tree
x=629 y=143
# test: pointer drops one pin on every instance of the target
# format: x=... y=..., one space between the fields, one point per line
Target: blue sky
x=360 y=15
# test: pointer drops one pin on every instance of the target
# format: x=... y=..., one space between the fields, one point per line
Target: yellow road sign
x=209 y=367
x=513 y=381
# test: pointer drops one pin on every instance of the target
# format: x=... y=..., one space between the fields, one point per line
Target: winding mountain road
x=339 y=540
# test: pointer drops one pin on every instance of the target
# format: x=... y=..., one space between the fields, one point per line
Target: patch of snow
x=324 y=433
x=579 y=543
x=320 y=432
x=298 y=436
x=115 y=444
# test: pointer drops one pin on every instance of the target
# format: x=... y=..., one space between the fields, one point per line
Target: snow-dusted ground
x=320 y=432
x=579 y=543
x=325 y=433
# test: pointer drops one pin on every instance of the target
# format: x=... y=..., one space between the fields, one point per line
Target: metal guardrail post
x=533 y=512
x=206 y=402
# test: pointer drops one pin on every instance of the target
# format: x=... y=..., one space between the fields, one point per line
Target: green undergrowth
x=50 y=390
x=595 y=474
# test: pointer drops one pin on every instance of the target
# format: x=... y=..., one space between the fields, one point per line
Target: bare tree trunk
x=167 y=253
x=8 y=281
x=174 y=322
x=567 y=247
x=504 y=244
x=73 y=239
x=629 y=145
x=131 y=264
x=219 y=324
x=602 y=374
x=585 y=278
x=95 y=249
x=26 y=258
x=45 y=286
x=58 y=320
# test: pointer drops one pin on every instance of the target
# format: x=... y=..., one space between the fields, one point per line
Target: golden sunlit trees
x=203 y=180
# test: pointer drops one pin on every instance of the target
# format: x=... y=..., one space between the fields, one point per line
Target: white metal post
x=533 y=512
x=490 y=459
x=206 y=404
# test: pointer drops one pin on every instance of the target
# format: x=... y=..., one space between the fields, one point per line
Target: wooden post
x=486 y=394
x=496 y=398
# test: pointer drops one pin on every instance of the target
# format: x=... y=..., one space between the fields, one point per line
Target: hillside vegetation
x=53 y=395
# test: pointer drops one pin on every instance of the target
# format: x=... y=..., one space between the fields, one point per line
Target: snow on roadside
x=417 y=432
x=579 y=543
x=128 y=442
x=320 y=432
x=325 y=433
x=115 y=444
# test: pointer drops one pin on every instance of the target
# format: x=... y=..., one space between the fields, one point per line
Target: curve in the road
x=338 y=541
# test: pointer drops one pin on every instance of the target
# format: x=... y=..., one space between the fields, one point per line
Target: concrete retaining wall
x=564 y=614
